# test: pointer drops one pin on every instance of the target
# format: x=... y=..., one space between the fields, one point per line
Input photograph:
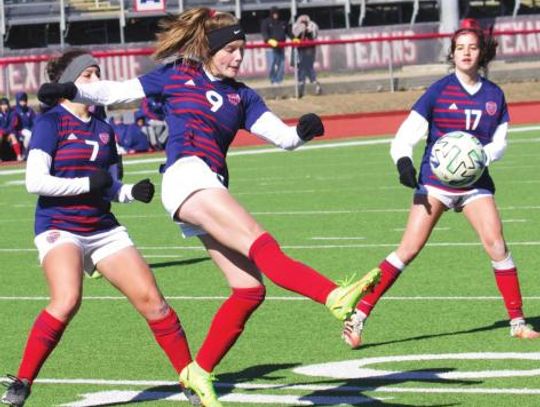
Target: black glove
x=143 y=191
x=100 y=180
x=49 y=93
x=407 y=173
x=309 y=126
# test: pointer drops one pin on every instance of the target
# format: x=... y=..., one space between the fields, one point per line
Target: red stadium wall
x=386 y=123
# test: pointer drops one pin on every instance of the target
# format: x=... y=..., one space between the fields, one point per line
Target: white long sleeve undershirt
x=411 y=131
x=272 y=129
x=267 y=127
x=109 y=92
x=39 y=180
x=415 y=127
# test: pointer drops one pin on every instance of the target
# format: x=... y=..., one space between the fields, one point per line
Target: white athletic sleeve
x=124 y=194
x=40 y=181
x=109 y=92
x=272 y=129
x=411 y=131
x=495 y=150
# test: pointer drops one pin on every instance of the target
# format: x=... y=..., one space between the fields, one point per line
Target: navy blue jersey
x=77 y=149
x=447 y=106
x=202 y=115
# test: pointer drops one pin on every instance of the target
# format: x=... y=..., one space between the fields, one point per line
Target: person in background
x=9 y=128
x=72 y=167
x=461 y=101
x=120 y=130
x=202 y=50
x=305 y=29
x=274 y=30
x=27 y=116
x=136 y=136
x=155 y=120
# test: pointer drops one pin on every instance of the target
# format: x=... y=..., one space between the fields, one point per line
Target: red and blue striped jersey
x=447 y=106
x=203 y=116
x=77 y=149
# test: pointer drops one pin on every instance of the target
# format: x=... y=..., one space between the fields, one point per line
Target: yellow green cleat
x=343 y=299
x=196 y=379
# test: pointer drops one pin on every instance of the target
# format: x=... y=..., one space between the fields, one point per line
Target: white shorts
x=453 y=200
x=94 y=248
x=180 y=180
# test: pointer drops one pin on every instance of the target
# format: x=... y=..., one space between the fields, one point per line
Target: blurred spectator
x=304 y=29
x=9 y=127
x=275 y=30
x=120 y=131
x=27 y=115
x=154 y=112
x=136 y=138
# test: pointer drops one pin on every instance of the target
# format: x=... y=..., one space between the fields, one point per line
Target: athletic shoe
x=17 y=392
x=519 y=329
x=194 y=378
x=191 y=396
x=352 y=330
x=342 y=300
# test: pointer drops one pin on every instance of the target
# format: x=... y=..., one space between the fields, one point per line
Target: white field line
x=297 y=387
x=270 y=298
x=323 y=145
x=306 y=247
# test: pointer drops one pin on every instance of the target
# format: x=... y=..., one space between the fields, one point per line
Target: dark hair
x=56 y=66
x=486 y=43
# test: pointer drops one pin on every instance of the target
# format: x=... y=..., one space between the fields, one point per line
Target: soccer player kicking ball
x=465 y=101
x=72 y=166
x=205 y=108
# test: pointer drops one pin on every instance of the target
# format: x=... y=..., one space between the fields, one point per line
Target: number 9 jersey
x=203 y=114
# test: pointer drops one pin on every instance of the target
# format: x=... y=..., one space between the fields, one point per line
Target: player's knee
x=495 y=247
x=65 y=307
x=151 y=305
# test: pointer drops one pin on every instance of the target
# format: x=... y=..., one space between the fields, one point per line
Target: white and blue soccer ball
x=458 y=159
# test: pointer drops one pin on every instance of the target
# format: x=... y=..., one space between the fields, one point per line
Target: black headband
x=220 y=37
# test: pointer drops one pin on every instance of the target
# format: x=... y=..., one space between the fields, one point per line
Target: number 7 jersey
x=448 y=106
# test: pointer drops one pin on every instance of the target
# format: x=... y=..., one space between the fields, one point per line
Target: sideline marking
x=318 y=146
x=355 y=369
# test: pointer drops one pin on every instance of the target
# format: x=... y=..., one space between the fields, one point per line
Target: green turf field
x=440 y=337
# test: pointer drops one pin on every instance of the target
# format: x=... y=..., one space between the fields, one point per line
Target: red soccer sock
x=389 y=275
x=44 y=336
x=228 y=325
x=172 y=339
x=288 y=273
x=508 y=284
x=16 y=148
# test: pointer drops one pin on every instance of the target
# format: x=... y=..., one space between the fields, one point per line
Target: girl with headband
x=72 y=166
x=202 y=51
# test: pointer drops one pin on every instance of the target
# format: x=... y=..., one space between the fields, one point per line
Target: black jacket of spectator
x=272 y=28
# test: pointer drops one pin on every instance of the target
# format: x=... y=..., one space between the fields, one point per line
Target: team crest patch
x=234 y=98
x=104 y=137
x=491 y=108
x=53 y=236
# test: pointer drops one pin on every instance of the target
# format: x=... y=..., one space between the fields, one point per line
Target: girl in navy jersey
x=466 y=101
x=72 y=167
x=205 y=106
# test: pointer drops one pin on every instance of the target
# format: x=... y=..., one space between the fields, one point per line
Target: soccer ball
x=457 y=159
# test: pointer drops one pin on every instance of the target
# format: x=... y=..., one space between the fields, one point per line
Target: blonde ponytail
x=185 y=35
